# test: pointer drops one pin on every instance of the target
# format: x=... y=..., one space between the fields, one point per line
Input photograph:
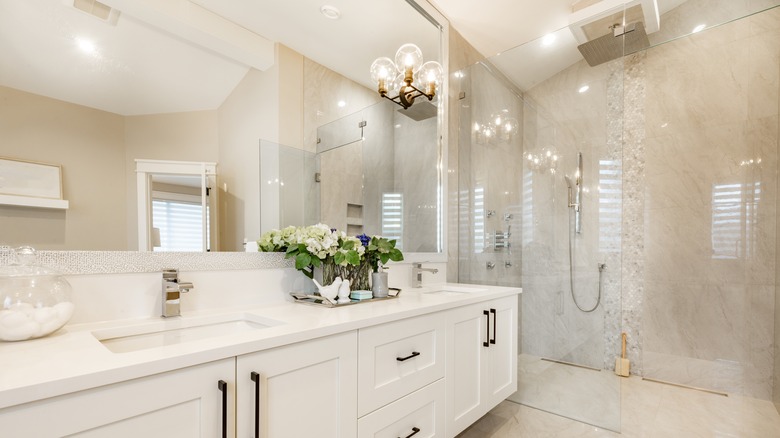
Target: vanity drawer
x=396 y=359
x=420 y=413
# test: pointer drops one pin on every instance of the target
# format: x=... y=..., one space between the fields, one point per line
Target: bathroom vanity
x=430 y=362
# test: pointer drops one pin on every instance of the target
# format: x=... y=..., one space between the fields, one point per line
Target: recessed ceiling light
x=699 y=28
x=584 y=88
x=331 y=12
x=548 y=39
x=86 y=46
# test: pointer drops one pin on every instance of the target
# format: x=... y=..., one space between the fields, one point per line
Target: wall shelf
x=26 y=201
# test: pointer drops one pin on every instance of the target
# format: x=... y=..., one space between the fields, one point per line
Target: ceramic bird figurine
x=344 y=292
x=331 y=291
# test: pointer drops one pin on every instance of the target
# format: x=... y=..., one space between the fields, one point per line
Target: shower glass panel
x=523 y=133
x=710 y=117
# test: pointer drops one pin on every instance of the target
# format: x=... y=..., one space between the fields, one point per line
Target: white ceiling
x=142 y=65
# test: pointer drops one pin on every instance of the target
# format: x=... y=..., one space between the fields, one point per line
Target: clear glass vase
x=357 y=275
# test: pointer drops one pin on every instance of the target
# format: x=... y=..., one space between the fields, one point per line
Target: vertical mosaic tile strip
x=633 y=205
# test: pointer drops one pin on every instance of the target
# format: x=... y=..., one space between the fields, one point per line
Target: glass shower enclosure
x=635 y=195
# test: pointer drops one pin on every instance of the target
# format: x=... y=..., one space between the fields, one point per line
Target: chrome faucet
x=172 y=289
x=417 y=271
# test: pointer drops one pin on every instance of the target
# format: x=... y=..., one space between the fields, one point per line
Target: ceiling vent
x=99 y=10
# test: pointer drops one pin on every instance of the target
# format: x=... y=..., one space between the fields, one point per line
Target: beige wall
x=189 y=136
x=89 y=145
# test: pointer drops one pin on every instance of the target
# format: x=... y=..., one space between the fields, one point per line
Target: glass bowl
x=34 y=300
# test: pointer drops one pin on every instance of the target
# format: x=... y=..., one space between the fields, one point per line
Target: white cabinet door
x=308 y=389
x=502 y=355
x=481 y=360
x=467 y=331
x=178 y=404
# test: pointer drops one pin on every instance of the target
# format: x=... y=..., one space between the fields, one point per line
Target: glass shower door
x=520 y=151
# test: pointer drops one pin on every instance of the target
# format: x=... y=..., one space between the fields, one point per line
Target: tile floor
x=649 y=409
x=569 y=391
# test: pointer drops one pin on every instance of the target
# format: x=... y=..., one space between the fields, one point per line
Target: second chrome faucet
x=417 y=271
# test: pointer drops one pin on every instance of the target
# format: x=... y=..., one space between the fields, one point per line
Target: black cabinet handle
x=487 y=328
x=415 y=430
x=222 y=385
x=493 y=311
x=256 y=379
x=414 y=354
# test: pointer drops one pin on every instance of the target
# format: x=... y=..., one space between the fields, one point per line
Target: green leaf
x=396 y=255
x=384 y=245
x=349 y=244
x=339 y=258
x=353 y=258
x=292 y=249
x=316 y=262
x=302 y=260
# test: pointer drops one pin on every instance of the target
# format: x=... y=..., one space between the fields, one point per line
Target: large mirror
x=93 y=86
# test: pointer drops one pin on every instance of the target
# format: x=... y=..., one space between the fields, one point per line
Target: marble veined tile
x=648 y=409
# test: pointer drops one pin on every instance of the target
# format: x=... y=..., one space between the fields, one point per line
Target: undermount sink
x=178 y=331
x=456 y=290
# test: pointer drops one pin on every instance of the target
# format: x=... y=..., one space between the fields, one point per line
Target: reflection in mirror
x=376 y=173
x=178 y=216
x=94 y=111
x=176 y=205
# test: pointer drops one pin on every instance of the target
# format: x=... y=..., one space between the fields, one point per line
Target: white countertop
x=72 y=359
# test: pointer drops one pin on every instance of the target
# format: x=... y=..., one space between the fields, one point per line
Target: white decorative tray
x=317 y=300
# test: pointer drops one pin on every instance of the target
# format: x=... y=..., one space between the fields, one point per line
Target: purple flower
x=364 y=239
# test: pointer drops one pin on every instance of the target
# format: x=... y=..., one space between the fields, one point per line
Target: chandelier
x=407 y=77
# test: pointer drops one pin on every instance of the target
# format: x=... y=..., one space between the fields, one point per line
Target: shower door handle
x=487 y=329
x=495 y=316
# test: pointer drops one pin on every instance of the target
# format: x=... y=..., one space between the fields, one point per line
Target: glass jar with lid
x=34 y=300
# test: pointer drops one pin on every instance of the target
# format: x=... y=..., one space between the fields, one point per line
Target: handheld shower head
x=568 y=181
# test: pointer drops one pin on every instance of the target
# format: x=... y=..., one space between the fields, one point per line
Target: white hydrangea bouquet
x=319 y=246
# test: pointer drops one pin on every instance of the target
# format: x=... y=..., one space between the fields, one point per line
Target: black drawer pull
x=493 y=311
x=487 y=328
x=222 y=385
x=256 y=379
x=415 y=430
x=414 y=354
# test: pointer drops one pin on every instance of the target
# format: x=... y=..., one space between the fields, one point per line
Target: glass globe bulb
x=408 y=55
x=432 y=72
x=382 y=69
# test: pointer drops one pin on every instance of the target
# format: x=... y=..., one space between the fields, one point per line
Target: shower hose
x=601 y=267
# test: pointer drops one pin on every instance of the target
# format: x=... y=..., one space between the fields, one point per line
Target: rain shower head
x=623 y=40
x=611 y=29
